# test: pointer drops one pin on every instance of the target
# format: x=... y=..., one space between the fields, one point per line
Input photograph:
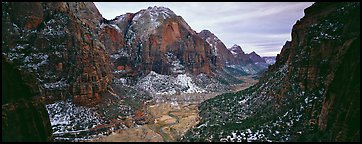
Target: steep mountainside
x=239 y=54
x=156 y=39
x=93 y=73
x=154 y=45
x=233 y=60
x=58 y=43
x=219 y=50
x=311 y=93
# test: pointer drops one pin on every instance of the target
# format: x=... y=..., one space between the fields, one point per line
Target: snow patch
x=168 y=85
x=66 y=117
x=116 y=27
x=186 y=81
x=56 y=85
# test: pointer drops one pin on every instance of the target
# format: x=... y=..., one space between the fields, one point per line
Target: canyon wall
x=311 y=93
x=59 y=43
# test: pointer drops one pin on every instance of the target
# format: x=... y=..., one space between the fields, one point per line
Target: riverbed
x=171 y=117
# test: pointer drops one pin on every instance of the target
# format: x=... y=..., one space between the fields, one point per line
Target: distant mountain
x=255 y=57
x=250 y=64
x=239 y=55
x=236 y=49
x=233 y=60
x=222 y=54
x=311 y=93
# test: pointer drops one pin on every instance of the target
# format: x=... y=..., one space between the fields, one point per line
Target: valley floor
x=171 y=117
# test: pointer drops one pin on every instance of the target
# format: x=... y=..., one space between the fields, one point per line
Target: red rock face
x=32 y=14
x=111 y=38
x=58 y=43
x=189 y=48
x=24 y=116
x=144 y=43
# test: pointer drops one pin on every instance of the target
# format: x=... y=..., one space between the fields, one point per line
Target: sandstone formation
x=58 y=42
x=311 y=93
x=155 y=39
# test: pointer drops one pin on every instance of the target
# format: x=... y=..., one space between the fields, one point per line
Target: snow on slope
x=168 y=85
x=147 y=20
x=65 y=117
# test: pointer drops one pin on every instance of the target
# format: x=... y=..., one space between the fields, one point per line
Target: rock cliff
x=234 y=60
x=155 y=39
x=310 y=94
x=219 y=50
x=59 y=43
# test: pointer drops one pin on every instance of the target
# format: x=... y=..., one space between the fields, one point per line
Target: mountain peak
x=235 y=45
x=236 y=49
x=205 y=31
x=154 y=15
x=255 y=57
x=156 y=11
x=209 y=37
x=158 y=8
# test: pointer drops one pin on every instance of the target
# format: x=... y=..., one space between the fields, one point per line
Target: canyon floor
x=171 y=117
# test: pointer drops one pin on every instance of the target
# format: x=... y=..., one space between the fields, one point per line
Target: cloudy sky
x=259 y=27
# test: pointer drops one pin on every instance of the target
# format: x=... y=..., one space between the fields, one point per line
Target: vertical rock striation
x=59 y=43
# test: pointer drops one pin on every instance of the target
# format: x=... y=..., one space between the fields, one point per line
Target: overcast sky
x=259 y=27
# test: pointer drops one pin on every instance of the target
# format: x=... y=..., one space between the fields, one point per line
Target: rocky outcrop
x=310 y=94
x=24 y=117
x=155 y=39
x=58 y=42
x=232 y=56
x=234 y=60
x=219 y=50
x=243 y=58
x=339 y=117
x=323 y=56
x=240 y=56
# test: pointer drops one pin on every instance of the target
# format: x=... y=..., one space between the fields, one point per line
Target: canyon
x=71 y=75
x=296 y=99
